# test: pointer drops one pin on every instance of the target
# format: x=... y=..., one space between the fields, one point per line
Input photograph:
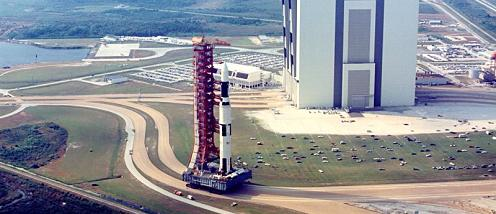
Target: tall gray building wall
x=327 y=41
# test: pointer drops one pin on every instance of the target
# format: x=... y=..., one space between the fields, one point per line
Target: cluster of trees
x=130 y=22
x=427 y=9
x=91 y=29
x=475 y=12
x=44 y=199
x=97 y=18
x=254 y=8
x=32 y=146
x=142 y=3
x=238 y=21
x=3 y=191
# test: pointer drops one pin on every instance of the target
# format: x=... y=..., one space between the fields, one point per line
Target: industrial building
x=350 y=53
x=244 y=76
x=115 y=79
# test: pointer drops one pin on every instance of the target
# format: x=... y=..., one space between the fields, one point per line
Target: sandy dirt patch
x=255 y=40
x=436 y=118
x=116 y=50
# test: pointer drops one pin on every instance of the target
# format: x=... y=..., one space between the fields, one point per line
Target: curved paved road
x=315 y=200
x=283 y=196
x=136 y=129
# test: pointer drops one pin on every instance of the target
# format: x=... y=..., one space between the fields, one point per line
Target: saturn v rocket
x=225 y=123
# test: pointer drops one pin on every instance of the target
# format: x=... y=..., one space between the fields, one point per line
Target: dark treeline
x=97 y=18
x=30 y=197
x=32 y=146
x=99 y=29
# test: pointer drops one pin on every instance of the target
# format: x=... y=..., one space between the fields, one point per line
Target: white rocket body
x=225 y=123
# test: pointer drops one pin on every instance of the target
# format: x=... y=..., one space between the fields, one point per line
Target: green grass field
x=92 y=147
x=344 y=172
x=426 y=8
x=7 y=109
x=80 y=88
x=130 y=189
x=41 y=75
x=157 y=67
x=79 y=164
x=104 y=138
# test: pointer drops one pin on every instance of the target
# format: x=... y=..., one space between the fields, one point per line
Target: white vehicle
x=190 y=197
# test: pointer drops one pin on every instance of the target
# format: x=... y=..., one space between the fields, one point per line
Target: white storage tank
x=473 y=74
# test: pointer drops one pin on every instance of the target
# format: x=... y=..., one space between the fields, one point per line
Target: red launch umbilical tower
x=206 y=124
x=211 y=167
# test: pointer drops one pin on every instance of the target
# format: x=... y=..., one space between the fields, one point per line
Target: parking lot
x=168 y=75
x=264 y=61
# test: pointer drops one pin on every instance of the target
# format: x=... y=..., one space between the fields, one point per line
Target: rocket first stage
x=225 y=123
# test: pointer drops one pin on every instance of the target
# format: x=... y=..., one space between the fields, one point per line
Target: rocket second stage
x=225 y=123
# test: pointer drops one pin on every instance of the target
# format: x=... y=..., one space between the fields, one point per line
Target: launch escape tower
x=211 y=167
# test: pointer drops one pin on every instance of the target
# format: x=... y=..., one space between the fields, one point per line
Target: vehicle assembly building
x=210 y=167
x=350 y=53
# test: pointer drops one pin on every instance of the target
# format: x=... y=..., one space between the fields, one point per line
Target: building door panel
x=359 y=89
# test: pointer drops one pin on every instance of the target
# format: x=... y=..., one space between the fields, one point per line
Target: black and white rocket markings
x=225 y=123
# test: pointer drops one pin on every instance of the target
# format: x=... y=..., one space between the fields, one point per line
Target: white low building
x=244 y=76
x=116 y=79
